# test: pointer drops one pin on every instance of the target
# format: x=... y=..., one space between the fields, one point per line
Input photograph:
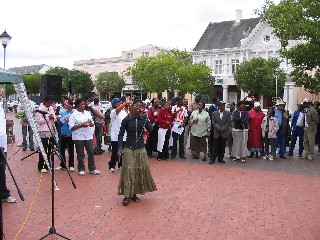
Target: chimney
x=238 y=15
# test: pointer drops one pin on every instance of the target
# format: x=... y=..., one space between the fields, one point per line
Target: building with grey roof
x=42 y=68
x=224 y=45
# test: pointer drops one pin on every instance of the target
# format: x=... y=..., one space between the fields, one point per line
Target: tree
x=171 y=71
x=298 y=20
x=109 y=82
x=258 y=75
x=80 y=81
x=32 y=83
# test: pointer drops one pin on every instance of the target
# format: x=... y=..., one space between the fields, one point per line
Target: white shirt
x=180 y=115
x=300 y=120
x=3 y=130
x=84 y=133
x=116 y=120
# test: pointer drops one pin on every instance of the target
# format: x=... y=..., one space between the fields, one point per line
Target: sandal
x=135 y=198
x=243 y=161
x=125 y=201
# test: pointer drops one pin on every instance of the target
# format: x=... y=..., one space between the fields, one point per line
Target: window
x=203 y=62
x=234 y=64
x=266 y=38
x=129 y=55
x=218 y=67
x=145 y=54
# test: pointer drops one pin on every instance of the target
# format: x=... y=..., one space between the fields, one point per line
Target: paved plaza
x=260 y=199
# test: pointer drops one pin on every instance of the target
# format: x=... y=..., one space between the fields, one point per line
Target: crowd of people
x=137 y=129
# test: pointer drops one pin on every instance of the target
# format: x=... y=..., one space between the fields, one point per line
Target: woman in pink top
x=45 y=121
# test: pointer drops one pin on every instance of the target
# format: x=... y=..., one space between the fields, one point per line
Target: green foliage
x=81 y=81
x=171 y=71
x=298 y=20
x=32 y=83
x=109 y=82
x=258 y=74
x=9 y=89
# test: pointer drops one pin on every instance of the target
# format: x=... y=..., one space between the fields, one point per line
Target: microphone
x=42 y=112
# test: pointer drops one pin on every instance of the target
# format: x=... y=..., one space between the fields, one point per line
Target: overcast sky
x=59 y=32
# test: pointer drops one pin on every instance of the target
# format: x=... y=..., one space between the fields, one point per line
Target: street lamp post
x=277 y=72
x=5 y=40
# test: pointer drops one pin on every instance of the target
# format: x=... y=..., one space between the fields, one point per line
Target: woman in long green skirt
x=135 y=176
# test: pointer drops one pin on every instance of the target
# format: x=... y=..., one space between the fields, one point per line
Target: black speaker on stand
x=51 y=85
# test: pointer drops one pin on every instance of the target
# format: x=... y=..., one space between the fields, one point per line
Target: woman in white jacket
x=269 y=127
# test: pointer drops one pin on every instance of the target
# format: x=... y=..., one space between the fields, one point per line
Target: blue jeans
x=281 y=140
x=98 y=134
x=298 y=132
x=25 y=130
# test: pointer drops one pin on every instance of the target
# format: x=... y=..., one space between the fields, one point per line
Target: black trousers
x=114 y=155
x=218 y=148
x=67 y=142
x=48 y=149
x=176 y=137
x=152 y=140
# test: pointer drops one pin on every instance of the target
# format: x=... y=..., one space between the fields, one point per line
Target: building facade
x=225 y=45
x=119 y=65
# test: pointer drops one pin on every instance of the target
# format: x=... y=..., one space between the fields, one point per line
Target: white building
x=224 y=45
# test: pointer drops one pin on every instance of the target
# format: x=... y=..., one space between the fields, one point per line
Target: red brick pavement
x=193 y=201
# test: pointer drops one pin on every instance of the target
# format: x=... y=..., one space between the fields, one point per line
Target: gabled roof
x=28 y=69
x=227 y=34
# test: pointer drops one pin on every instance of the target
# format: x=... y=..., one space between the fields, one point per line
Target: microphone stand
x=3 y=164
x=54 y=146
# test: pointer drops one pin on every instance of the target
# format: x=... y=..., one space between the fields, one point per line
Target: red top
x=153 y=115
x=165 y=116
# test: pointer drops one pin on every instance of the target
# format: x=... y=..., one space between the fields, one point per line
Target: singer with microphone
x=135 y=175
x=45 y=112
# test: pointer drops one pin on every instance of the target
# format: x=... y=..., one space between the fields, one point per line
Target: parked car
x=105 y=105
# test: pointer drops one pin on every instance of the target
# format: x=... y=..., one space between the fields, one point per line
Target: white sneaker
x=82 y=173
x=44 y=170
x=266 y=157
x=71 y=169
x=271 y=158
x=58 y=168
x=111 y=170
x=95 y=172
x=9 y=200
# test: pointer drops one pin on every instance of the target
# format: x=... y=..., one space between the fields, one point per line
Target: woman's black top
x=240 y=120
x=135 y=128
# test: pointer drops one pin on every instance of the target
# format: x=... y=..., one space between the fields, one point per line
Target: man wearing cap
x=310 y=128
x=220 y=121
x=284 y=127
x=297 y=130
x=255 y=131
x=116 y=116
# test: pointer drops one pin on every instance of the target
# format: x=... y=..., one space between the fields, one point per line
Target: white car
x=106 y=105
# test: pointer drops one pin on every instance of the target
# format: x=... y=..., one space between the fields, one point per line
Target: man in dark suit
x=220 y=121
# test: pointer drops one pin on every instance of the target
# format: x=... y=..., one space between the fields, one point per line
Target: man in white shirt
x=117 y=114
x=180 y=115
x=5 y=194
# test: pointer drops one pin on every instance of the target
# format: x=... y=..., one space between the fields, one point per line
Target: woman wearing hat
x=240 y=119
x=255 y=132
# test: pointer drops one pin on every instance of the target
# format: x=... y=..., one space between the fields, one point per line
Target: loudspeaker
x=51 y=85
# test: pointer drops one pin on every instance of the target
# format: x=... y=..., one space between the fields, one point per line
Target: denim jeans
x=80 y=145
x=98 y=134
x=25 y=130
x=298 y=132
